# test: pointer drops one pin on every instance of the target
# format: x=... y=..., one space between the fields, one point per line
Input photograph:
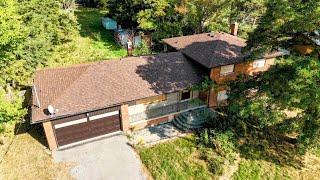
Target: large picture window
x=259 y=63
x=226 y=69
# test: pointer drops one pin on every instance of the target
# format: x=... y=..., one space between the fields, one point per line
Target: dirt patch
x=29 y=158
x=230 y=169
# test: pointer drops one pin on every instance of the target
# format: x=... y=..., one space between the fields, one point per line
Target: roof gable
x=210 y=50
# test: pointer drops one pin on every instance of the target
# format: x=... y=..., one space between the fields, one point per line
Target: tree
x=260 y=103
x=30 y=30
x=284 y=21
x=11 y=32
x=124 y=12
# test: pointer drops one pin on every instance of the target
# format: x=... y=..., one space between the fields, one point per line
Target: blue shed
x=109 y=23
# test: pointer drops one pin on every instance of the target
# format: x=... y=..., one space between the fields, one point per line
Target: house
x=221 y=56
x=89 y=101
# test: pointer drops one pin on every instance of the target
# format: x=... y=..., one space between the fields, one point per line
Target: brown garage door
x=83 y=128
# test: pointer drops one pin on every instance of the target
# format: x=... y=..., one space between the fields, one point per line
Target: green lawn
x=93 y=42
x=182 y=159
x=178 y=159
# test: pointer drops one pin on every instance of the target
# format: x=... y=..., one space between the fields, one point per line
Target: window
x=185 y=95
x=222 y=96
x=226 y=69
x=259 y=63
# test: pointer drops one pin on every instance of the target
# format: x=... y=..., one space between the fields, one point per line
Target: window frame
x=257 y=61
x=226 y=73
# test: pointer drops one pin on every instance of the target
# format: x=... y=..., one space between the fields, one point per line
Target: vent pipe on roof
x=234 y=28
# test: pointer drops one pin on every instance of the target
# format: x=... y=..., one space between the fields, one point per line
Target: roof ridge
x=187 y=35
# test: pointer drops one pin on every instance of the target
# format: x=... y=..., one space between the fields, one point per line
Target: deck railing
x=155 y=112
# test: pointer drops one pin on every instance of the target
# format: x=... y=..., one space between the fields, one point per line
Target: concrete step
x=192 y=120
x=182 y=125
x=186 y=125
x=191 y=123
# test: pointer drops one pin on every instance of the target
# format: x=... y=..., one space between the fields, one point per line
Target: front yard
x=183 y=159
x=29 y=158
x=178 y=159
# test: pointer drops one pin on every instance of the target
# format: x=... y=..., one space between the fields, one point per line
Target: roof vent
x=51 y=110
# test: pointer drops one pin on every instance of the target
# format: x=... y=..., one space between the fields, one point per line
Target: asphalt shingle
x=99 y=85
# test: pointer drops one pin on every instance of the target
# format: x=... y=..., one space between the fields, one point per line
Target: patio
x=152 y=135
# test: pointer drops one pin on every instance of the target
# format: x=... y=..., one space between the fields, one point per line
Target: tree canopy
x=29 y=32
x=283 y=23
x=168 y=18
x=285 y=100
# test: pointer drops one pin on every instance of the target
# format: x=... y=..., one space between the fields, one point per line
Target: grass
x=181 y=159
x=28 y=158
x=175 y=160
x=250 y=169
x=93 y=42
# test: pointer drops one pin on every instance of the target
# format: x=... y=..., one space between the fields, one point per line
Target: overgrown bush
x=142 y=49
x=10 y=108
x=224 y=147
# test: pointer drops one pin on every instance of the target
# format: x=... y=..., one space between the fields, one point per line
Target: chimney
x=129 y=48
x=234 y=28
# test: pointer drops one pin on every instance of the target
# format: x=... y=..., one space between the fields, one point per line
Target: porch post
x=125 y=123
x=51 y=139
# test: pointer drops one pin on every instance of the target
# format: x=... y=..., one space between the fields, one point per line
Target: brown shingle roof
x=98 y=85
x=212 y=49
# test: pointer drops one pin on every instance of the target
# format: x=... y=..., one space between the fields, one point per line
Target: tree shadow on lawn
x=91 y=27
x=270 y=146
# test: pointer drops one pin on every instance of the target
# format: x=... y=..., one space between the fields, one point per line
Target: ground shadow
x=270 y=147
x=34 y=130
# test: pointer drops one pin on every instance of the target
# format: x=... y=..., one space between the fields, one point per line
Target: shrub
x=223 y=143
x=142 y=49
x=10 y=109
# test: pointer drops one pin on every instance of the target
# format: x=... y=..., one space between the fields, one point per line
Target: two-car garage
x=74 y=129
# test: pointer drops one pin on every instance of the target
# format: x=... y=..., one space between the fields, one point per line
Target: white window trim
x=92 y=118
x=258 y=63
x=222 y=96
x=79 y=121
x=226 y=73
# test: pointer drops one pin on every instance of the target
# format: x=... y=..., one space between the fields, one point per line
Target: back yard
x=93 y=43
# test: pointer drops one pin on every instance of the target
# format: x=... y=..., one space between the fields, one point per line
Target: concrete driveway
x=108 y=158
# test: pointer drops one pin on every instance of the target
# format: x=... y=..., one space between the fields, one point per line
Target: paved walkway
x=109 y=158
x=155 y=134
